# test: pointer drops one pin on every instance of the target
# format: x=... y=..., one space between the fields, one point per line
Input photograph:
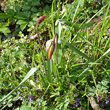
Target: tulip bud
x=51 y=47
x=40 y=19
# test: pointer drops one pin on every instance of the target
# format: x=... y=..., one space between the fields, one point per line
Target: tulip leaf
x=78 y=51
x=49 y=42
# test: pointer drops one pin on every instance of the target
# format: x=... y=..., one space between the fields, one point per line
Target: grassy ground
x=70 y=72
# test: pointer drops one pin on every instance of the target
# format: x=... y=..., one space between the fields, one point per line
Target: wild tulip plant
x=71 y=83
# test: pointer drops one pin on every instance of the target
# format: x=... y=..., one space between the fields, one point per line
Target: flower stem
x=38 y=36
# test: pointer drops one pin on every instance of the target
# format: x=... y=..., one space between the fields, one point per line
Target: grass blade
x=78 y=52
x=95 y=62
x=30 y=73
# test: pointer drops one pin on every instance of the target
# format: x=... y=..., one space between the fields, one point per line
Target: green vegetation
x=54 y=55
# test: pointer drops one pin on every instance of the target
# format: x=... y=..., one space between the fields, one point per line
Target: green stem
x=56 y=55
x=95 y=84
x=41 y=48
x=56 y=49
x=39 y=37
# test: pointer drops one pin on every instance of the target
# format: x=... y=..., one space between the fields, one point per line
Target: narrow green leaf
x=79 y=52
x=30 y=73
x=95 y=62
x=49 y=76
x=87 y=25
